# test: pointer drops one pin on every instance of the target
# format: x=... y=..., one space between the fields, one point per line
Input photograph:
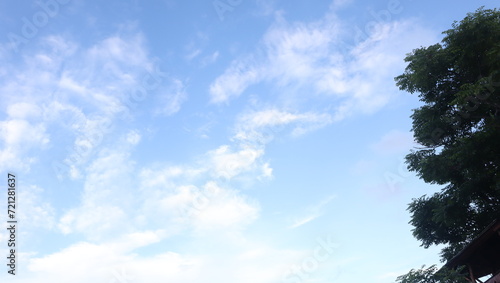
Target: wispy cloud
x=210 y=59
x=312 y=212
x=21 y=132
x=262 y=125
x=171 y=98
x=130 y=215
x=311 y=59
x=82 y=91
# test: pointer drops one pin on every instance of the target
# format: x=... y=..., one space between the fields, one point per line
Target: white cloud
x=193 y=54
x=261 y=126
x=196 y=196
x=36 y=212
x=67 y=83
x=267 y=171
x=291 y=52
x=307 y=62
x=125 y=207
x=127 y=50
x=84 y=90
x=24 y=110
x=22 y=133
x=118 y=261
x=133 y=137
x=313 y=212
x=210 y=59
x=234 y=81
x=109 y=200
x=171 y=98
x=94 y=220
x=200 y=197
x=225 y=208
x=105 y=260
x=166 y=176
x=290 y=55
x=18 y=137
x=271 y=117
x=219 y=213
x=228 y=164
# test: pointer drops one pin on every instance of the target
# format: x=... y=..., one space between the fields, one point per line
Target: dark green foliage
x=432 y=275
x=458 y=128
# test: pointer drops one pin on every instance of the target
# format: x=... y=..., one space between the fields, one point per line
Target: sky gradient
x=212 y=141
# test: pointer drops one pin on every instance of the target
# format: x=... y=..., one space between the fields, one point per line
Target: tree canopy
x=432 y=275
x=458 y=129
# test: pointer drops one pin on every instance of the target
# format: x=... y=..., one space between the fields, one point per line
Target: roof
x=482 y=253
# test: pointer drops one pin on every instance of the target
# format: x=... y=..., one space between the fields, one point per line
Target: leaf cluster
x=432 y=275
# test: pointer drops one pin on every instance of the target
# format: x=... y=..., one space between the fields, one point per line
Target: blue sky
x=212 y=141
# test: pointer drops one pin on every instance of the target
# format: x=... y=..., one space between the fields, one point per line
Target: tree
x=458 y=129
x=432 y=275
